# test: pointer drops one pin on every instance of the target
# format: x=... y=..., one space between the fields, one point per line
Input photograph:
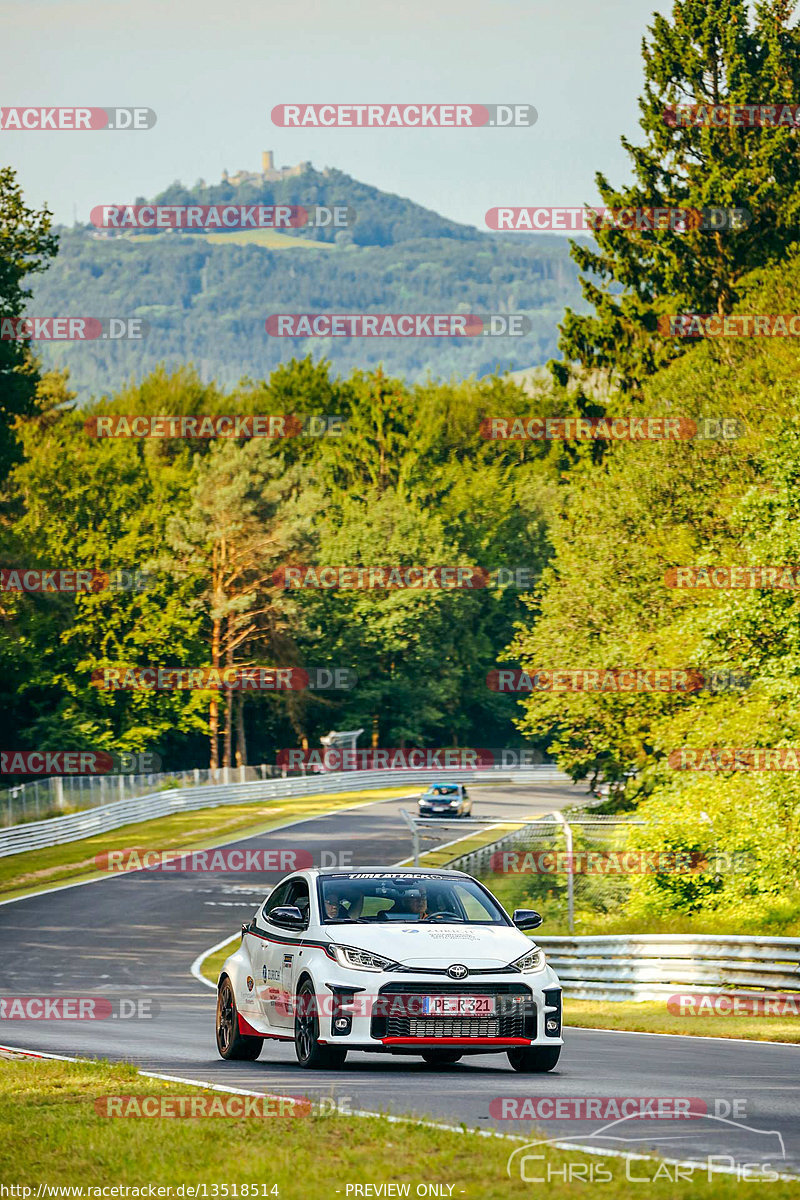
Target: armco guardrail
x=57 y=795
x=55 y=830
x=654 y=966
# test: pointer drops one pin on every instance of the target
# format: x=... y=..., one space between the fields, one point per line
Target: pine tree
x=26 y=246
x=704 y=55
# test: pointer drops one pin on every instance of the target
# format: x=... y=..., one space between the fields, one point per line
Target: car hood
x=437 y=945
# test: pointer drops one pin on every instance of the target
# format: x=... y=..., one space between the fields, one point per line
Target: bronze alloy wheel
x=306 y=1034
x=230 y=1042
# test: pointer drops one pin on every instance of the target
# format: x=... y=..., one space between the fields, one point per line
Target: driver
x=413 y=900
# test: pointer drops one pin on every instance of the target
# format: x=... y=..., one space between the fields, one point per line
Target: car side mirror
x=287 y=917
x=526 y=918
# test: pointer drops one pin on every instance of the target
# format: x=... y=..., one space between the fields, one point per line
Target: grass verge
x=35 y=870
x=210 y=967
x=441 y=856
x=651 y=1016
x=52 y=1134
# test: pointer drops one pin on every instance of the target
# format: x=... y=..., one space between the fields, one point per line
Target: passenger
x=342 y=904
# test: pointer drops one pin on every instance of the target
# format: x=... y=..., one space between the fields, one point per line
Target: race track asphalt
x=136 y=935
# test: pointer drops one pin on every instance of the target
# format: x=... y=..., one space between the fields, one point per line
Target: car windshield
x=378 y=898
x=447 y=789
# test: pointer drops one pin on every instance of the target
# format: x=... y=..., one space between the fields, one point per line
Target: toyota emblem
x=457 y=971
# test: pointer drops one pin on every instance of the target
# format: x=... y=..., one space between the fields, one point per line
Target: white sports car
x=419 y=961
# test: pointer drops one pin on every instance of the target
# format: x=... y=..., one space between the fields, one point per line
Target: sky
x=214 y=71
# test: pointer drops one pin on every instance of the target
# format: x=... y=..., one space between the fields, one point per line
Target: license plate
x=457 y=1006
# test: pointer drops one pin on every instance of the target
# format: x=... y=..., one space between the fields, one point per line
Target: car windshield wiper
x=349 y=920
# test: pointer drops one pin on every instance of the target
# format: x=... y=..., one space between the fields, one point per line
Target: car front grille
x=397 y=1012
x=450 y=1027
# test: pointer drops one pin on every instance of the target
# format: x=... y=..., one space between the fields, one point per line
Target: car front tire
x=230 y=1042
x=533 y=1060
x=306 y=1034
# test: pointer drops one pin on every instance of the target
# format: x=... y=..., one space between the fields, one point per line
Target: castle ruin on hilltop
x=269 y=172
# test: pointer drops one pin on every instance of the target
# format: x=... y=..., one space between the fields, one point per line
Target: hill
x=206 y=297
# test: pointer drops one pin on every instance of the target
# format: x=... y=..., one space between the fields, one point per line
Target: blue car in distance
x=445 y=800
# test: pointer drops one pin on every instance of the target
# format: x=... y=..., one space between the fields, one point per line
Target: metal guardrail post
x=415 y=834
x=562 y=820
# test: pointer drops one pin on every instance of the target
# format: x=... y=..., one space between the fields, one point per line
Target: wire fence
x=62 y=794
x=565 y=867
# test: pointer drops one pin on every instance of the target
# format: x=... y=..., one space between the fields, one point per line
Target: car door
x=283 y=956
x=267 y=983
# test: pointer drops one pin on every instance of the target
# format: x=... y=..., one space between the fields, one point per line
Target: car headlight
x=361 y=960
x=534 y=960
